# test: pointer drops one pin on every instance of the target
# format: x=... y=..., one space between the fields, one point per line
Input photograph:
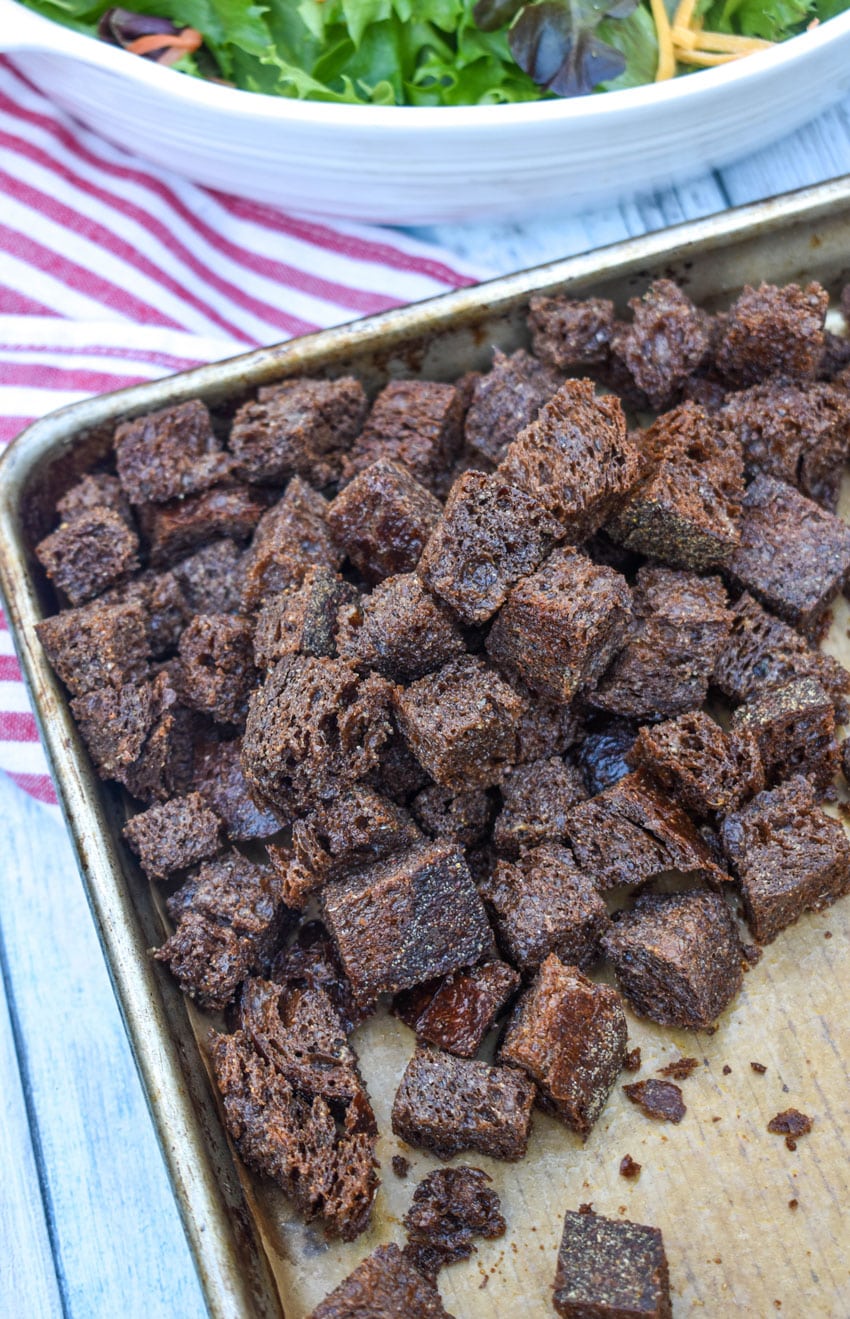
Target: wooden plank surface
x=104 y=1208
x=119 y=1246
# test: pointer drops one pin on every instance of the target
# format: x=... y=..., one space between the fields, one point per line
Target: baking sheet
x=718 y=1189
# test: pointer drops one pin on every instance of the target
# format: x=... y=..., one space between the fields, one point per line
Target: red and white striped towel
x=112 y=273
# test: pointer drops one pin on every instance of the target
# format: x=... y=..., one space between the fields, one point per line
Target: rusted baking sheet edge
x=231 y=1264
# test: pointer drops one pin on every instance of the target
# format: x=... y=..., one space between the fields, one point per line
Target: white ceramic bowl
x=400 y=165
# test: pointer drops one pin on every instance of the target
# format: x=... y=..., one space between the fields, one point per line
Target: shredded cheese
x=666 y=67
x=684 y=42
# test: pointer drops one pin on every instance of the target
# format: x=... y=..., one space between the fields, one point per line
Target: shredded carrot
x=188 y=40
x=666 y=56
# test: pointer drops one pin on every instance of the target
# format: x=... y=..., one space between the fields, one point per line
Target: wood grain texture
x=119 y=1245
x=120 y=1248
x=28 y=1283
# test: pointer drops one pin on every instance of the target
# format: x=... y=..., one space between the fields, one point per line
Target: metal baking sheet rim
x=231 y=1262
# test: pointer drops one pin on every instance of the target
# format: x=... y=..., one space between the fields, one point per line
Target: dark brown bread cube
x=302 y=620
x=175 y=529
x=399 y=631
x=299 y=427
x=230 y=918
x=677 y=958
x=217 y=671
x=313 y=729
x=292 y=537
x=667 y=342
x=417 y=423
x=569 y=1035
x=311 y=962
x=798 y=433
x=449 y=1209
x=355 y=829
x=298 y=1030
x=610 y=1268
x=93 y=551
x=505 y=400
x=326 y=1168
x=139 y=734
x=98 y=645
x=794 y=556
x=447 y=1105
x=681 y=624
x=788 y=856
x=772 y=331
x=571 y=332
x=297 y=883
x=173 y=835
x=709 y=771
x=398 y=774
x=762 y=652
x=406 y=920
x=218 y=777
x=562 y=625
x=94 y=490
x=544 y=904
x=535 y=801
x=384 y=1286
x=459 y=817
x=490 y=535
x=845 y=759
x=461 y=723
x=545 y=729
x=575 y=459
x=166 y=608
x=457 y=1012
x=211 y=580
x=603 y=754
x=169 y=454
x=383 y=519
x=685 y=511
x=794 y=728
x=631 y=832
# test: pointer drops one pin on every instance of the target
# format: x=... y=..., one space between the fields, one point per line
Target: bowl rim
x=647 y=99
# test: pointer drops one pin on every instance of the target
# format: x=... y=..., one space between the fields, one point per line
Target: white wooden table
x=88 y=1225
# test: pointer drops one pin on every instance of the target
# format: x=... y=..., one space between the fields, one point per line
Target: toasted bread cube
x=542 y=904
x=93 y=551
x=173 y=835
x=794 y=728
x=794 y=556
x=709 y=771
x=562 y=625
x=399 y=630
x=772 y=331
x=446 y=1105
x=569 y=1035
x=417 y=423
x=383 y=519
x=169 y=454
x=677 y=958
x=575 y=459
x=461 y=723
x=505 y=400
x=631 y=832
x=536 y=799
x=685 y=511
x=610 y=1268
x=300 y=427
x=788 y=855
x=406 y=920
x=490 y=535
x=384 y=1286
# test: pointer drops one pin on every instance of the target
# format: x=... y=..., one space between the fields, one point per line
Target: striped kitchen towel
x=112 y=272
